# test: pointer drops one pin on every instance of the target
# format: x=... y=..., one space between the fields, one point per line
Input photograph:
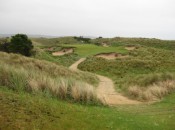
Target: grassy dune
x=80 y=50
x=65 y=60
x=27 y=74
x=33 y=92
x=55 y=41
x=142 y=68
x=120 y=41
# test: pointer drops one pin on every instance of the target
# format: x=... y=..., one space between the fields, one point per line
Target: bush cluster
x=19 y=44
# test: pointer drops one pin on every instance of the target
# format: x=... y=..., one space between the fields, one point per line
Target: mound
x=21 y=73
x=111 y=56
x=63 y=52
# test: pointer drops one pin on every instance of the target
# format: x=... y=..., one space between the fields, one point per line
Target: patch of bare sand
x=130 y=48
x=111 y=56
x=104 y=44
x=107 y=94
x=63 y=52
x=105 y=90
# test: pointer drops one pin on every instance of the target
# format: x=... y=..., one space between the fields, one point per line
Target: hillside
x=20 y=73
x=134 y=76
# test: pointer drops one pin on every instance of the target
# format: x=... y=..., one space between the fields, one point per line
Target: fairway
x=85 y=50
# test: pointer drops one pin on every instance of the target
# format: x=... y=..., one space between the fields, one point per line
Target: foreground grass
x=31 y=111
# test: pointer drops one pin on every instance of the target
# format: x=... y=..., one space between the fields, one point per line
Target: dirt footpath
x=105 y=90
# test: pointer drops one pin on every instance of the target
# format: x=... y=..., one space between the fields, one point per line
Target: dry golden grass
x=26 y=74
x=153 y=92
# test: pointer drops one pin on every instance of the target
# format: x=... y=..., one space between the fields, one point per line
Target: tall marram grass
x=152 y=92
x=26 y=74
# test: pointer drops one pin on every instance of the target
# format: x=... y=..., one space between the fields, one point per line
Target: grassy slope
x=55 y=41
x=65 y=60
x=47 y=68
x=26 y=111
x=21 y=74
x=120 y=41
x=81 y=50
x=43 y=43
x=30 y=111
x=141 y=61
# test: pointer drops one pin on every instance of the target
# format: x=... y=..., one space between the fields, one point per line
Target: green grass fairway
x=85 y=50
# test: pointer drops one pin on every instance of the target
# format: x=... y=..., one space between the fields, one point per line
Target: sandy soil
x=63 y=52
x=130 y=48
x=75 y=65
x=105 y=91
x=104 y=44
x=111 y=56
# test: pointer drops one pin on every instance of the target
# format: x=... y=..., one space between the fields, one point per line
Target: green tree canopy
x=20 y=44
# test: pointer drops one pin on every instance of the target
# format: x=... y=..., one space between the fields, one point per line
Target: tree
x=82 y=39
x=20 y=44
x=4 y=44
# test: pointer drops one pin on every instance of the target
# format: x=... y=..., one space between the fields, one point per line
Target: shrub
x=19 y=44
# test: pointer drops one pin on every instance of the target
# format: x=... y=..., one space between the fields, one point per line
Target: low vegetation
x=26 y=74
x=121 y=41
x=44 y=52
x=153 y=92
x=34 y=111
x=65 y=60
x=38 y=94
x=141 y=68
x=55 y=41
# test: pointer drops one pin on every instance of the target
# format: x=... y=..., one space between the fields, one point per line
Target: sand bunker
x=131 y=47
x=63 y=52
x=111 y=56
x=104 y=44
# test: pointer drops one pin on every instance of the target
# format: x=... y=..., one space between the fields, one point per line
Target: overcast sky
x=107 y=18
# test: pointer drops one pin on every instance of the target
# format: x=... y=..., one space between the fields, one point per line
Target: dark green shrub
x=19 y=44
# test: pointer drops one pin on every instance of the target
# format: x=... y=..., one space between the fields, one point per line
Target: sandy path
x=75 y=65
x=105 y=91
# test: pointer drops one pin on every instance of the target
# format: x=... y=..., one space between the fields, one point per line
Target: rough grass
x=148 y=42
x=26 y=74
x=55 y=41
x=33 y=111
x=143 y=67
x=153 y=92
x=66 y=60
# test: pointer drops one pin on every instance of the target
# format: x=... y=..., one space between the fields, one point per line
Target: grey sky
x=107 y=18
